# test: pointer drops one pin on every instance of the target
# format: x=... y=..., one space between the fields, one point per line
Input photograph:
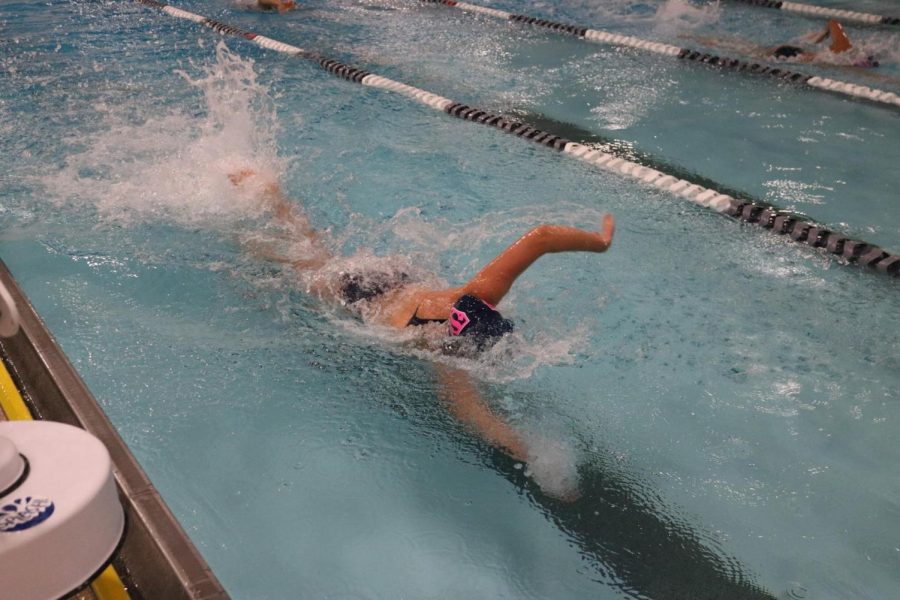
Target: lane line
x=723 y=62
x=827 y=13
x=769 y=217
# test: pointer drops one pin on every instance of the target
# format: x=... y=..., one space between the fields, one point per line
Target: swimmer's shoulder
x=398 y=307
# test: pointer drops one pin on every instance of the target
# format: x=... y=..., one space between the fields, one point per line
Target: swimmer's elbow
x=543 y=237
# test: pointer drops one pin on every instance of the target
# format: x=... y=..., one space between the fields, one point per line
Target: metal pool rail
x=723 y=62
x=796 y=226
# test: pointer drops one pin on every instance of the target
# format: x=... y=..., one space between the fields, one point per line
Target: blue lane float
x=798 y=227
x=734 y=64
x=823 y=12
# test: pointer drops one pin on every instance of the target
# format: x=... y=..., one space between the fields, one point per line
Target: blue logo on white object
x=24 y=513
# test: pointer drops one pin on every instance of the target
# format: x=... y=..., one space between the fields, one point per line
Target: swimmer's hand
x=239 y=178
x=607 y=231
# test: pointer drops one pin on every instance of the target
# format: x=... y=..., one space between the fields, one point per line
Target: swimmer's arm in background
x=839 y=40
x=493 y=281
x=288 y=215
x=817 y=38
x=266 y=250
x=284 y=211
x=465 y=403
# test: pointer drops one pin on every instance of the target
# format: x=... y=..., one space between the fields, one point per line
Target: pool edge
x=157 y=558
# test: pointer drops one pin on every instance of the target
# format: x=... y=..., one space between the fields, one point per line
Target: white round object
x=61 y=524
x=12 y=465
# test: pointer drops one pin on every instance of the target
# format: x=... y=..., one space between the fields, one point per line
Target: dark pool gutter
x=156 y=560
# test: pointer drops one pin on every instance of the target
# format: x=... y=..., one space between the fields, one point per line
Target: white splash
x=676 y=15
x=173 y=167
x=551 y=463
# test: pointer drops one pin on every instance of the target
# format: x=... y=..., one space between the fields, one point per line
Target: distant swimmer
x=840 y=44
x=279 y=5
x=840 y=53
x=397 y=299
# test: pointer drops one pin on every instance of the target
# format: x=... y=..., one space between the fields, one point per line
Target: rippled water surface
x=711 y=410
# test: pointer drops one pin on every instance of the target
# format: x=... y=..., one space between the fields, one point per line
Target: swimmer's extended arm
x=283 y=209
x=466 y=404
x=286 y=214
x=493 y=281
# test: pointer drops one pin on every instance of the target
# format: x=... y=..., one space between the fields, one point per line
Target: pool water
x=725 y=399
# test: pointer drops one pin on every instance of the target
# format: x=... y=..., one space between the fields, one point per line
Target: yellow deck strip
x=108 y=586
x=10 y=400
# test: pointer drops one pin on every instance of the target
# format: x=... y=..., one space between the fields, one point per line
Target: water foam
x=172 y=166
x=552 y=465
x=676 y=15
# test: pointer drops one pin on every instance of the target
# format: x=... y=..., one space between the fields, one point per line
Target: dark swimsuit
x=358 y=287
x=416 y=321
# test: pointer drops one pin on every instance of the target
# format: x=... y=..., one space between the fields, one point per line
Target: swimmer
x=279 y=5
x=840 y=53
x=468 y=312
x=840 y=43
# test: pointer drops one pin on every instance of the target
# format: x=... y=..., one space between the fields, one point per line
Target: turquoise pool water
x=727 y=400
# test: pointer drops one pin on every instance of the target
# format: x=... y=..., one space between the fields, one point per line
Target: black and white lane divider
x=734 y=64
x=827 y=13
x=764 y=215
